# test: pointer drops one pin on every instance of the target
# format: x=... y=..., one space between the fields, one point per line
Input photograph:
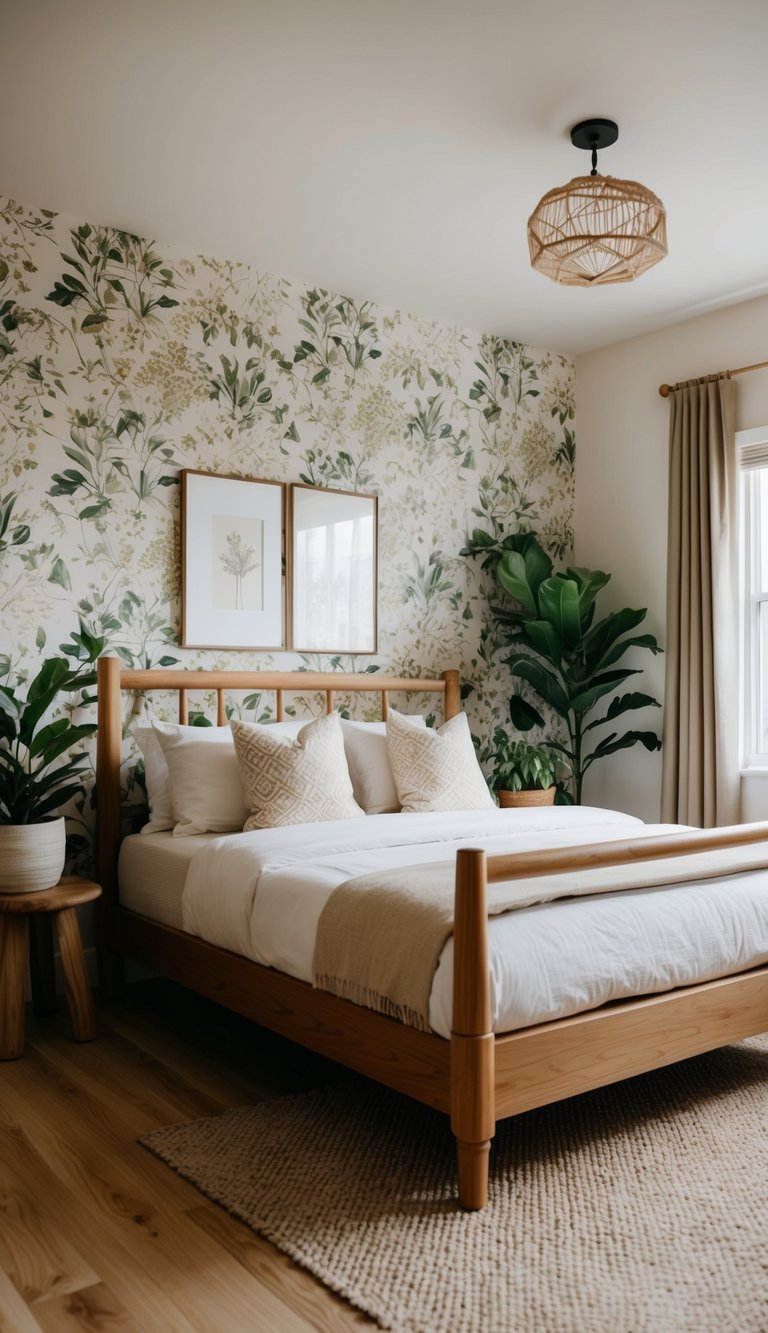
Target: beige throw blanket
x=380 y=936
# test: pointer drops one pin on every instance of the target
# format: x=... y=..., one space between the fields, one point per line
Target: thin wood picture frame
x=305 y=595
x=232 y=562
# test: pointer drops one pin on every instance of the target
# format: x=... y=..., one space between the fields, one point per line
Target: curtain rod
x=666 y=389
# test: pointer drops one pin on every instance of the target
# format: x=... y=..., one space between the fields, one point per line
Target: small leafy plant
x=33 y=784
x=518 y=766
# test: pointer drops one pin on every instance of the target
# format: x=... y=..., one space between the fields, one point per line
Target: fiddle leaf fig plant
x=34 y=783
x=563 y=653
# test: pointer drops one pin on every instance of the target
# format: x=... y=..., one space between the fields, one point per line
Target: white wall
x=621 y=496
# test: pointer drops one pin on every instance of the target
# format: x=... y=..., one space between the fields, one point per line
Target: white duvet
x=261 y=894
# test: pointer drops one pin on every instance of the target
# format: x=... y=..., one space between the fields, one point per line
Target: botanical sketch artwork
x=237 y=552
x=232 y=583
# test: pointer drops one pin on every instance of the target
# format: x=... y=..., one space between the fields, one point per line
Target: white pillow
x=365 y=745
x=206 y=790
x=201 y=804
x=436 y=770
x=301 y=781
x=158 y=782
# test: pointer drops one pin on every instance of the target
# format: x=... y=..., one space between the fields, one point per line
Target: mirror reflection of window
x=334 y=571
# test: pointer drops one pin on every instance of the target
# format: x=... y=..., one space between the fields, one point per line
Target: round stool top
x=69 y=892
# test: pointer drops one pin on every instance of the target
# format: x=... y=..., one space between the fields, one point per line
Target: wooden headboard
x=113 y=681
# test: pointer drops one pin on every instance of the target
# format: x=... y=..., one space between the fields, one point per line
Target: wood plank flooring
x=95 y=1232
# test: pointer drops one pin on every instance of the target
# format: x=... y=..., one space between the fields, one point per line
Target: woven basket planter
x=509 y=799
x=31 y=855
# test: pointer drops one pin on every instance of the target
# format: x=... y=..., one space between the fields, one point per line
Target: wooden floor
x=95 y=1232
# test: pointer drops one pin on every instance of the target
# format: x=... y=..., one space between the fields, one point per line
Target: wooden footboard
x=494 y=1077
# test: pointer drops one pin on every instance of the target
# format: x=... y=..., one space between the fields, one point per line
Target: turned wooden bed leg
x=473 y=1111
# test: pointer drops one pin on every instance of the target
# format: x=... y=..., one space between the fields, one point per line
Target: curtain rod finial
x=665 y=390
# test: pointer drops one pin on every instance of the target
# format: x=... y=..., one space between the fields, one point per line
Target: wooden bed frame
x=477 y=1078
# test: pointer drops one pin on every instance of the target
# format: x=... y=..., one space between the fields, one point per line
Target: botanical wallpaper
x=122 y=361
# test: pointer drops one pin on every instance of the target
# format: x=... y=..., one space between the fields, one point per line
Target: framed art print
x=232 y=584
x=334 y=570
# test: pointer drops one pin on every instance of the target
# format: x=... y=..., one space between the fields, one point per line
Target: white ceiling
x=393 y=149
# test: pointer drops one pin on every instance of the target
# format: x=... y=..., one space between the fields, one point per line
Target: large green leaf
x=624 y=703
x=41 y=693
x=54 y=739
x=54 y=675
x=602 y=635
x=619 y=649
x=522 y=568
x=542 y=681
x=49 y=735
x=559 y=604
x=589 y=582
x=611 y=744
x=544 y=638
x=537 y=563
x=524 y=716
x=9 y=704
x=600 y=686
x=513 y=577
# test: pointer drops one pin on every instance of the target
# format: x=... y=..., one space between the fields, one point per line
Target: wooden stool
x=17 y=912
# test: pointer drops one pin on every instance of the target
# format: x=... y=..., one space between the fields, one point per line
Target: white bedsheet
x=152 y=871
x=261 y=894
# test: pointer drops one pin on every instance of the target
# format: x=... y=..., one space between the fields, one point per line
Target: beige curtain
x=700 y=758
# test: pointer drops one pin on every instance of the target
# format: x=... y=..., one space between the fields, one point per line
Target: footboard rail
x=476 y=1097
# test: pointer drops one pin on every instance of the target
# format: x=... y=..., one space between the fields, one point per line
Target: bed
x=468 y=1064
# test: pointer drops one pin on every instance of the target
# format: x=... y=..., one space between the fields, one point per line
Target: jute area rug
x=639 y=1208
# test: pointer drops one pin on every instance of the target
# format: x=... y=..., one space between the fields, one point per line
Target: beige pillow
x=204 y=778
x=435 y=770
x=301 y=781
x=365 y=745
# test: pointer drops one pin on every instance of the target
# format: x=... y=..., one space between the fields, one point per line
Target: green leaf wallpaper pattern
x=122 y=361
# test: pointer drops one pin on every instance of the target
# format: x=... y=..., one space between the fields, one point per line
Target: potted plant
x=38 y=773
x=569 y=658
x=523 y=774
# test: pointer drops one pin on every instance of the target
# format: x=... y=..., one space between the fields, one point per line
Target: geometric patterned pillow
x=435 y=770
x=294 y=781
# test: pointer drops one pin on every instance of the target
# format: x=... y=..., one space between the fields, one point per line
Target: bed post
x=472 y=1042
x=108 y=754
x=452 y=698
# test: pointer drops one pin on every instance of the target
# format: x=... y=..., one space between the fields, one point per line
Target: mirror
x=334 y=566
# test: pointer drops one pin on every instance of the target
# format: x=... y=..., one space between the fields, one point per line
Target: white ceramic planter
x=31 y=855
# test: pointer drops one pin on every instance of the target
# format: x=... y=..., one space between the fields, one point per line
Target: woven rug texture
x=639 y=1208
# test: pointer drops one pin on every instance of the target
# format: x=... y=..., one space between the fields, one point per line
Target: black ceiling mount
x=594 y=134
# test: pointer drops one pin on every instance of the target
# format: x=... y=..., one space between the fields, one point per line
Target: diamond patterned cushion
x=435 y=770
x=299 y=781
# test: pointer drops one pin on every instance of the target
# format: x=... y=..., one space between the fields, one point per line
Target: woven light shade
x=597 y=229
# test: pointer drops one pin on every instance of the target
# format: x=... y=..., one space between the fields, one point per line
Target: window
x=753 y=457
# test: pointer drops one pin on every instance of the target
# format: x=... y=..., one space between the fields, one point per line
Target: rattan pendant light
x=597 y=229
